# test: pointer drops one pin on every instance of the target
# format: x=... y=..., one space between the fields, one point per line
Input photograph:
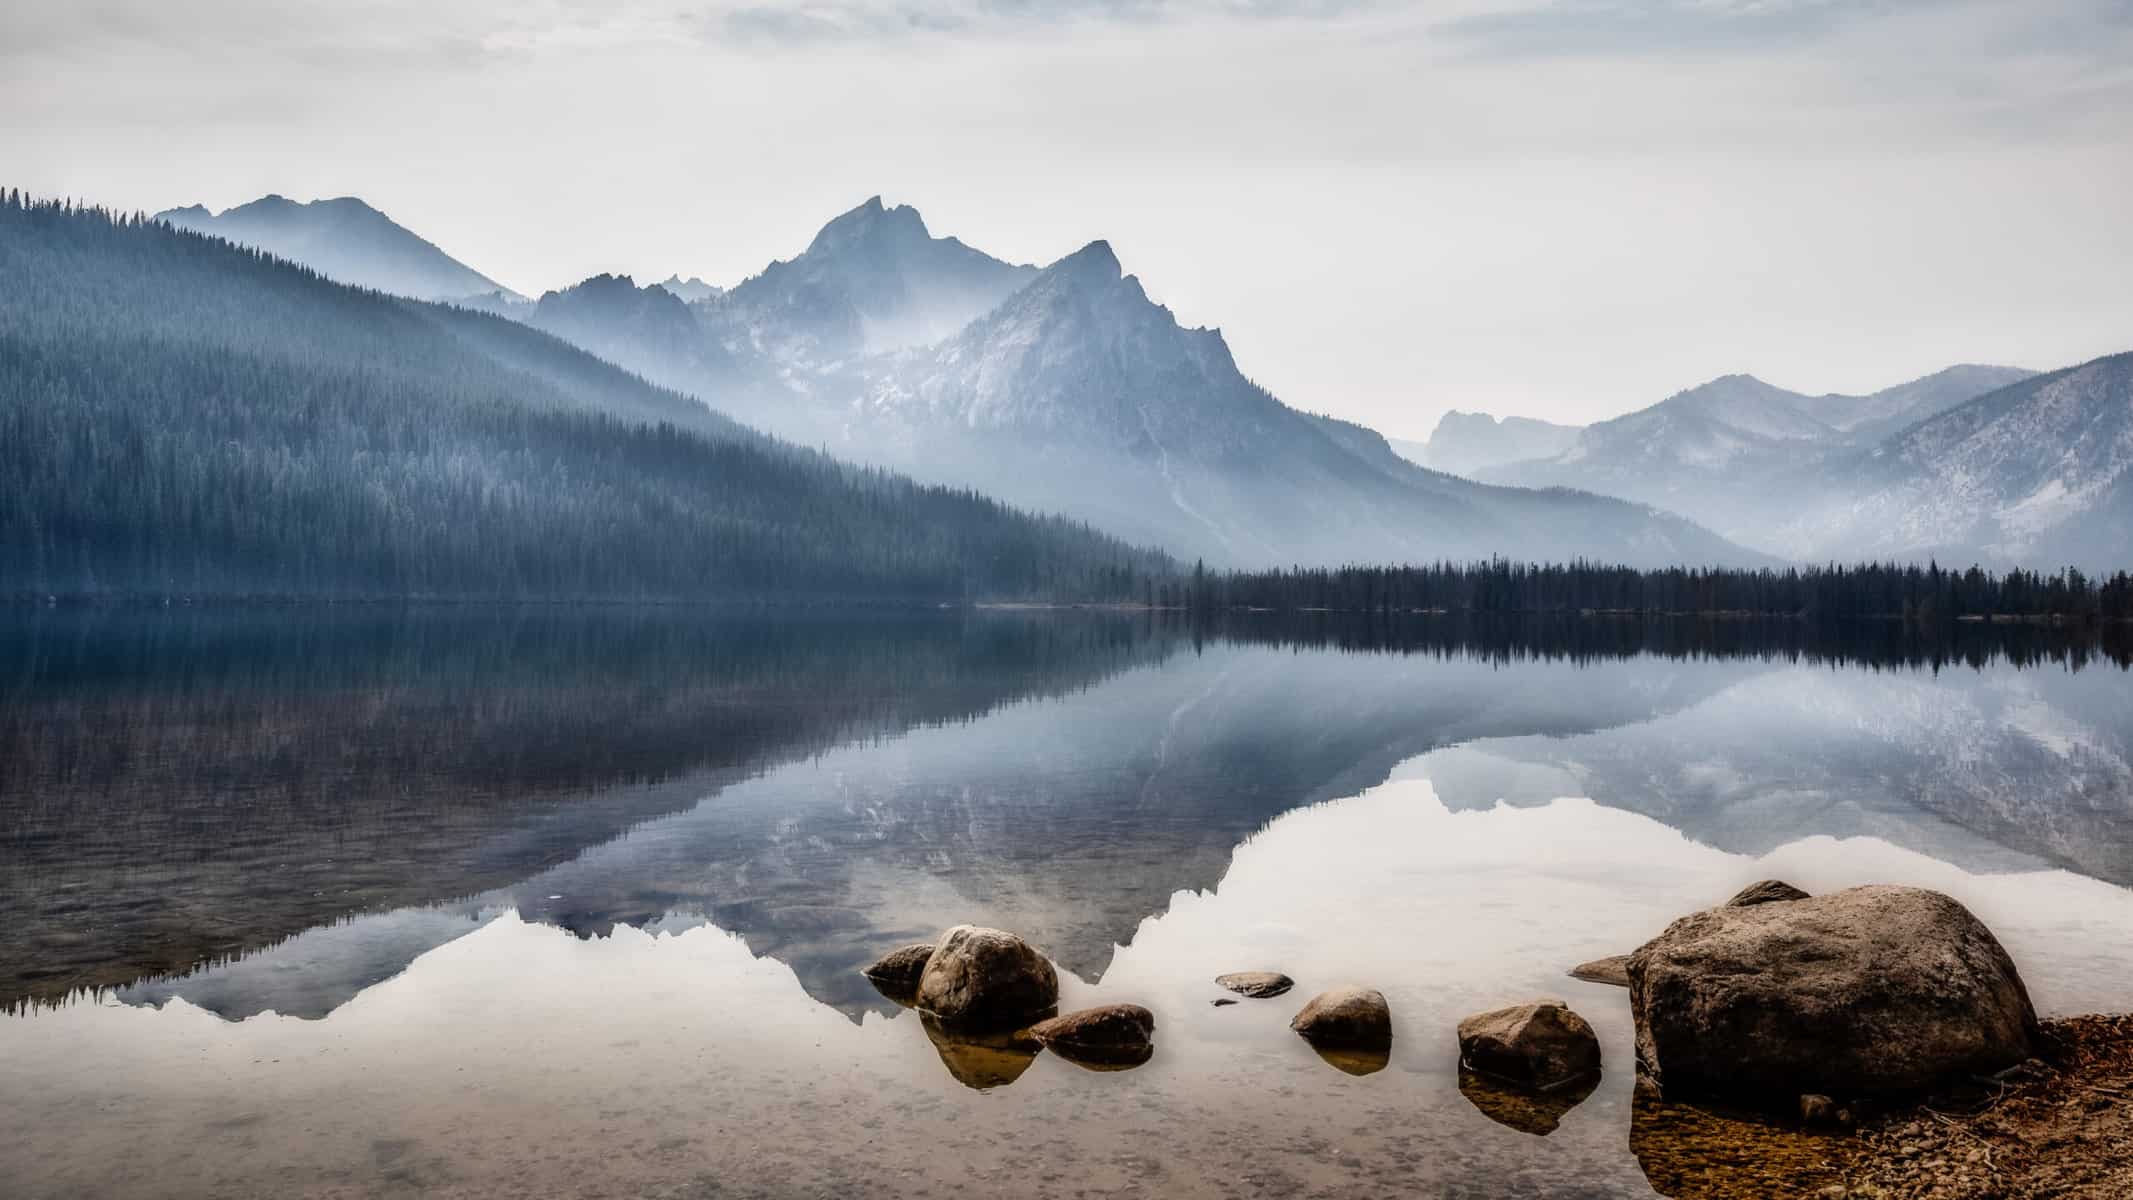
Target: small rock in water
x=1259 y=985
x=1540 y=1046
x=896 y=974
x=1349 y=1017
x=1818 y=1110
x=1091 y=1031
x=1614 y=970
x=1224 y=1002
x=1768 y=891
x=986 y=978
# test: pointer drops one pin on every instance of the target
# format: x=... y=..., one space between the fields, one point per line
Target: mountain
x=1735 y=451
x=345 y=240
x=1079 y=392
x=2038 y=472
x=1465 y=443
x=187 y=416
x=692 y=289
x=873 y=280
x=649 y=328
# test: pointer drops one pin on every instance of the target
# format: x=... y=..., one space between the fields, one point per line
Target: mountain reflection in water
x=593 y=892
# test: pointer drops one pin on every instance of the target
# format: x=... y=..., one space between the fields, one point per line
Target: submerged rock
x=1537 y=1113
x=1769 y=891
x=1350 y=1060
x=896 y=974
x=1109 y=1033
x=1613 y=970
x=1540 y=1046
x=1347 y=1018
x=981 y=1061
x=1870 y=990
x=1259 y=985
x=986 y=979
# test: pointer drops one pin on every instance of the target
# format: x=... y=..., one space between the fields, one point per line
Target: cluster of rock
x=1775 y=998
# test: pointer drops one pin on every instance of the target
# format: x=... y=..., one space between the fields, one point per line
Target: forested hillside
x=181 y=415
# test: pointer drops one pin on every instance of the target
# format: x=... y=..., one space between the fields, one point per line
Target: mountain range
x=188 y=416
x=1069 y=388
x=1970 y=463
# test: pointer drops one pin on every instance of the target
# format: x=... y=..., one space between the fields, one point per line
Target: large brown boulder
x=1540 y=1046
x=896 y=974
x=978 y=978
x=1346 y=1018
x=1870 y=990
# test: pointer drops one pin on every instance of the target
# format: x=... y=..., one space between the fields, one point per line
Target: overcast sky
x=1565 y=209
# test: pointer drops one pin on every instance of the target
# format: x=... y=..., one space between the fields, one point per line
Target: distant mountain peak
x=871 y=222
x=344 y=239
x=1096 y=259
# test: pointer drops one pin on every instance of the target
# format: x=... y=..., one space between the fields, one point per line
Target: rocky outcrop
x=1259 y=985
x=1613 y=970
x=1768 y=891
x=1870 y=990
x=980 y=978
x=1539 y=1047
x=1346 y=1018
x=896 y=974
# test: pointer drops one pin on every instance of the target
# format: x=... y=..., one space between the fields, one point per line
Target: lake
x=509 y=902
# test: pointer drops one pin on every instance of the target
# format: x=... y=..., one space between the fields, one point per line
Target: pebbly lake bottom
x=518 y=1059
x=571 y=907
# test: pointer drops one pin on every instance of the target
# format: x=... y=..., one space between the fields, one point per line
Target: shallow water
x=574 y=904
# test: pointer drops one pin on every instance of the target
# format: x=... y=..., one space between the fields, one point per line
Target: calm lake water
x=502 y=903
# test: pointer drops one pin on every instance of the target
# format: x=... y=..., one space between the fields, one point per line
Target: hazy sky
x=1564 y=209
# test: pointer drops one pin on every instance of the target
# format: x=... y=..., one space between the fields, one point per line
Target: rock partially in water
x=1817 y=1110
x=1768 y=891
x=1346 y=1018
x=1870 y=990
x=1352 y=1061
x=896 y=974
x=981 y=1061
x=1259 y=985
x=1612 y=970
x=1110 y=1034
x=1223 y=1001
x=980 y=978
x=1538 y=1047
x=1525 y=1111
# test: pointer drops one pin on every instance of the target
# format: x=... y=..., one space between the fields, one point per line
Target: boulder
x=1869 y=990
x=980 y=978
x=1107 y=1034
x=896 y=973
x=1539 y=1047
x=1259 y=985
x=1769 y=891
x=1614 y=970
x=1348 y=1018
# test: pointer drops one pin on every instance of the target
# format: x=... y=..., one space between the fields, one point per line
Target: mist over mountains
x=1070 y=389
x=184 y=415
x=1987 y=463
